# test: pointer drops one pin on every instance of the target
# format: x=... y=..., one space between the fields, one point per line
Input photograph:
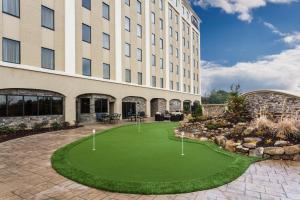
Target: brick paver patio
x=26 y=173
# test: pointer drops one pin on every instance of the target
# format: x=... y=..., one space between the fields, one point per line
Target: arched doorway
x=133 y=105
x=187 y=106
x=158 y=105
x=90 y=104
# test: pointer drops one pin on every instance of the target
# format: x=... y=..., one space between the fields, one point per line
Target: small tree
x=237 y=107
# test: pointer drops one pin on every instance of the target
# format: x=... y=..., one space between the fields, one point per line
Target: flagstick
x=94 y=144
x=182 y=134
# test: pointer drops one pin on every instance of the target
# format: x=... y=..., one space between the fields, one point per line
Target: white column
x=70 y=109
x=70 y=37
x=167 y=62
x=180 y=53
x=200 y=72
x=118 y=40
x=191 y=59
x=147 y=40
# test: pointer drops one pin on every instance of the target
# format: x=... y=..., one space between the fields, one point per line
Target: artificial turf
x=147 y=160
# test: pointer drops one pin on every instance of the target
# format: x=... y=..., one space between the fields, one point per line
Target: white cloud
x=292 y=39
x=280 y=71
x=242 y=8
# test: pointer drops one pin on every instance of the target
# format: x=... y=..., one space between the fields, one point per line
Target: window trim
x=140 y=60
x=103 y=33
x=90 y=66
x=19 y=50
x=53 y=58
x=53 y=18
x=106 y=64
x=17 y=16
x=86 y=7
x=103 y=3
x=129 y=52
x=129 y=29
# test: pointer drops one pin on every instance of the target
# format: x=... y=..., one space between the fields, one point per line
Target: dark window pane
x=57 y=106
x=11 y=7
x=48 y=61
x=2 y=105
x=101 y=106
x=30 y=105
x=86 y=67
x=86 y=33
x=86 y=4
x=11 y=51
x=85 y=105
x=44 y=105
x=47 y=17
x=15 y=106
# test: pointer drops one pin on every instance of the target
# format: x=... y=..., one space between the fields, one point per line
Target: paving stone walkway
x=26 y=173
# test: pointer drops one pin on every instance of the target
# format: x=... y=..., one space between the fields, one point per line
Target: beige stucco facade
x=68 y=79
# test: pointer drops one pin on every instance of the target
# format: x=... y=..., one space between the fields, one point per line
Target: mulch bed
x=24 y=133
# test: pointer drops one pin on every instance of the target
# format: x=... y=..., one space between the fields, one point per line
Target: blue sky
x=255 y=43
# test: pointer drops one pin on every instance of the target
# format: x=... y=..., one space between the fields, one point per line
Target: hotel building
x=70 y=59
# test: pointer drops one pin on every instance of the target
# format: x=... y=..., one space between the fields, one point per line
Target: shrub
x=198 y=111
x=39 y=126
x=211 y=126
x=286 y=129
x=262 y=123
x=22 y=127
x=65 y=124
x=55 y=125
x=4 y=129
x=76 y=123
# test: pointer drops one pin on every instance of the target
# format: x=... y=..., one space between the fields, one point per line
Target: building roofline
x=188 y=4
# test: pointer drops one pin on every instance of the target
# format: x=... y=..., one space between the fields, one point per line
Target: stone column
x=148 y=108
x=168 y=105
x=118 y=106
x=70 y=109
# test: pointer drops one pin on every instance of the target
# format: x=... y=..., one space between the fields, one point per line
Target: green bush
x=198 y=111
x=65 y=124
x=39 y=126
x=211 y=126
x=55 y=125
x=4 y=129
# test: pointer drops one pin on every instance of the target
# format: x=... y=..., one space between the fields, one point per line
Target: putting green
x=147 y=160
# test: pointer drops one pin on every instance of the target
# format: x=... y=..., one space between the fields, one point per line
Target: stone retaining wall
x=213 y=110
x=276 y=103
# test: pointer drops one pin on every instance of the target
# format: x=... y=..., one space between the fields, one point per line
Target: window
x=47 y=18
x=139 y=31
x=153 y=81
x=3 y=106
x=15 y=105
x=101 y=106
x=177 y=53
x=140 y=78
x=161 y=6
x=177 y=35
x=170 y=31
x=177 y=86
x=153 y=39
x=106 y=71
x=161 y=63
x=171 y=67
x=171 y=85
x=138 y=7
x=170 y=13
x=171 y=49
x=86 y=67
x=161 y=82
x=127 y=2
x=177 y=69
x=184 y=87
x=106 y=41
x=48 y=58
x=30 y=105
x=153 y=60
x=184 y=72
x=139 y=54
x=152 y=17
x=85 y=105
x=127 y=24
x=161 y=43
x=176 y=19
x=128 y=75
x=194 y=76
x=127 y=49
x=189 y=74
x=161 y=24
x=57 y=106
x=44 y=105
x=86 y=33
x=105 y=11
x=11 y=7
x=10 y=51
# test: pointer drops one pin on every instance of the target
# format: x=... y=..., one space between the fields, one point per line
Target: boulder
x=289 y=150
x=203 y=139
x=248 y=131
x=220 y=140
x=281 y=143
x=258 y=152
x=252 y=139
x=230 y=146
x=242 y=149
x=250 y=145
x=274 y=151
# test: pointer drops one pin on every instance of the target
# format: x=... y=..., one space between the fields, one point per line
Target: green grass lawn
x=148 y=161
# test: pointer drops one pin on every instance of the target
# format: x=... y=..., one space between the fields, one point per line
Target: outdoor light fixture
x=182 y=135
x=94 y=144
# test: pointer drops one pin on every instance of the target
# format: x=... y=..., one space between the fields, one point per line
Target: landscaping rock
x=251 y=145
x=296 y=157
x=230 y=146
x=281 y=143
x=242 y=149
x=248 y=131
x=203 y=139
x=258 y=152
x=274 y=151
x=252 y=139
x=220 y=140
x=289 y=150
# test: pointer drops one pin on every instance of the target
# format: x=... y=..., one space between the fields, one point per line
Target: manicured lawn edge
x=237 y=168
